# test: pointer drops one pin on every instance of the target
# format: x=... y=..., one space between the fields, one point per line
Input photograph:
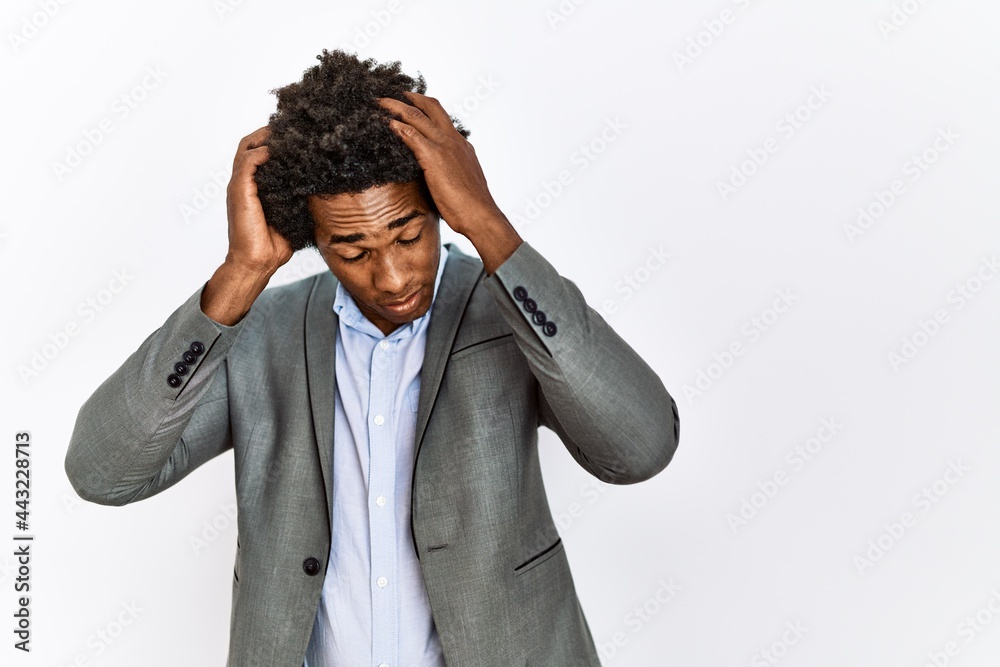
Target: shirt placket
x=381 y=501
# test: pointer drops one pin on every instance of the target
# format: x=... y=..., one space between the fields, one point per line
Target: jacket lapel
x=460 y=275
x=322 y=325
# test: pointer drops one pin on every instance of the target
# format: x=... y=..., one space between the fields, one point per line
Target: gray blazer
x=495 y=569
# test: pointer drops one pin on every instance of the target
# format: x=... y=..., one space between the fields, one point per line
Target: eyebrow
x=358 y=236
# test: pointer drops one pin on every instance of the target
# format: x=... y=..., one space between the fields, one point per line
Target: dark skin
x=388 y=268
x=397 y=256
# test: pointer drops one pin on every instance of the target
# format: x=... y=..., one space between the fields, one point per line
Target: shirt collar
x=348 y=312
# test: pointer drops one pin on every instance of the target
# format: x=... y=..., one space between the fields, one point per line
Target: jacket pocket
x=540 y=557
x=481 y=345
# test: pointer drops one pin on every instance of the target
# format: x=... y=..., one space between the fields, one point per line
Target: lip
x=401 y=307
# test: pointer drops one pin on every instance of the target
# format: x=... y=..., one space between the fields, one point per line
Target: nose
x=391 y=278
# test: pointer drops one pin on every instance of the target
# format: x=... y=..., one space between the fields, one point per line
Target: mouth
x=404 y=306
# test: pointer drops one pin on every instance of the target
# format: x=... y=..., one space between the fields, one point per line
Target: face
x=384 y=246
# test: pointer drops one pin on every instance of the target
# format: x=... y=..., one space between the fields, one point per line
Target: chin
x=420 y=310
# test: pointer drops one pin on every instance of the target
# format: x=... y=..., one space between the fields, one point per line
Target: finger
x=252 y=140
x=247 y=163
x=255 y=156
x=411 y=136
x=411 y=115
x=431 y=107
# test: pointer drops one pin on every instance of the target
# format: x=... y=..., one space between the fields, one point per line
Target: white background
x=534 y=87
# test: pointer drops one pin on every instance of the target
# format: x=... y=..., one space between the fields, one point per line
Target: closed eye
x=400 y=241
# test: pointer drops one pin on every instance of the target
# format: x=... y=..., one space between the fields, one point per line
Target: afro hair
x=330 y=136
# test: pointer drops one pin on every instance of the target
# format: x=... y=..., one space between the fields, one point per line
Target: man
x=383 y=415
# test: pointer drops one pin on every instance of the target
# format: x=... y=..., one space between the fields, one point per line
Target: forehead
x=369 y=208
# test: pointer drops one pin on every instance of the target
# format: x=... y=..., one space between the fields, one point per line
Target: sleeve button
x=180 y=368
x=190 y=357
x=538 y=317
x=197 y=347
x=530 y=305
x=174 y=380
x=520 y=293
x=550 y=328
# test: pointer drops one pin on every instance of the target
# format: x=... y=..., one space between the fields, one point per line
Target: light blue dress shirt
x=374 y=609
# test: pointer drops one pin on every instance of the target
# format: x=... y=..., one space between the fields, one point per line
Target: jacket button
x=530 y=305
x=520 y=293
x=310 y=565
x=174 y=380
x=197 y=347
x=189 y=357
x=181 y=368
x=538 y=317
x=550 y=328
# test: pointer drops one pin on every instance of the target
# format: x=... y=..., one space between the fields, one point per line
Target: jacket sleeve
x=604 y=402
x=162 y=414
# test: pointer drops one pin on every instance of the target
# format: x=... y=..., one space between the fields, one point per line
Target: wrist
x=494 y=238
x=231 y=291
x=247 y=269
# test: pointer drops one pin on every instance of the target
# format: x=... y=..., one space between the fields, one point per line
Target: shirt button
x=384 y=345
x=380 y=501
x=382 y=582
x=379 y=420
x=383 y=665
